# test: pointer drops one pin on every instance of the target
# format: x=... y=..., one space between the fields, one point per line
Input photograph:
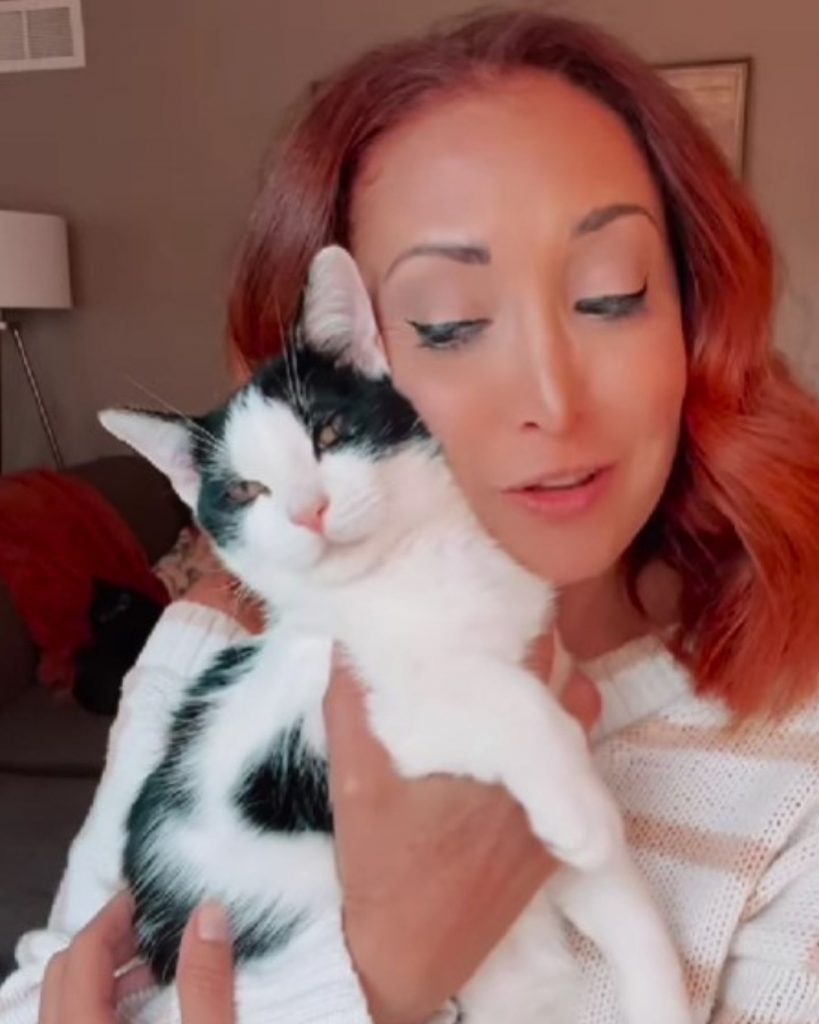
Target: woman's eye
x=613 y=306
x=330 y=433
x=448 y=333
x=243 y=492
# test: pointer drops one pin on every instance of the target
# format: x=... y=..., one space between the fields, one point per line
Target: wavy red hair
x=739 y=520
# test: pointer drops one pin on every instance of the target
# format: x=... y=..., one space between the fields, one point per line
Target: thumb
x=204 y=978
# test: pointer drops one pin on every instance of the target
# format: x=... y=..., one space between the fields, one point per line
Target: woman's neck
x=596 y=616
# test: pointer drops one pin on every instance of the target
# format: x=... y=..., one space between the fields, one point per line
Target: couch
x=51 y=750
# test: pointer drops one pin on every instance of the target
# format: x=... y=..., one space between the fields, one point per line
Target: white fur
x=437 y=621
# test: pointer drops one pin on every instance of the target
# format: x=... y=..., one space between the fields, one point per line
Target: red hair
x=739 y=520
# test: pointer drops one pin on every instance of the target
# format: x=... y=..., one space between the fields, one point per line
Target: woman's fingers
x=136 y=978
x=204 y=978
x=85 y=981
x=578 y=695
x=362 y=761
x=581 y=698
x=51 y=991
x=80 y=983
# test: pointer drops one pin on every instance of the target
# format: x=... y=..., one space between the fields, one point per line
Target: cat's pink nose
x=312 y=517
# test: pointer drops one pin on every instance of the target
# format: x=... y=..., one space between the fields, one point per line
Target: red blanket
x=57 y=534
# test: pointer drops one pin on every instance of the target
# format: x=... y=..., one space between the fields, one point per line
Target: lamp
x=33 y=275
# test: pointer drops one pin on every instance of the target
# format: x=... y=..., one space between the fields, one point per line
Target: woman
x=577 y=297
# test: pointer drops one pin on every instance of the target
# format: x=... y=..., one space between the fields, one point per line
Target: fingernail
x=212 y=923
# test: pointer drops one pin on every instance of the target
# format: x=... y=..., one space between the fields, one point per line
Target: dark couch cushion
x=44 y=734
x=141 y=495
x=144 y=499
x=17 y=652
x=38 y=819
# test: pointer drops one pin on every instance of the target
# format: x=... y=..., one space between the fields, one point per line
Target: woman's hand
x=81 y=983
x=434 y=870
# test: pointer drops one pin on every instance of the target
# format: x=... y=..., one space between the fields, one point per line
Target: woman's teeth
x=565 y=483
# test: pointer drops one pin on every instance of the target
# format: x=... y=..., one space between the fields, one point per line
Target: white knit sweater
x=724 y=825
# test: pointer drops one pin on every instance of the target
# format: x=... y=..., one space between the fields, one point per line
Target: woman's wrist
x=393 y=1007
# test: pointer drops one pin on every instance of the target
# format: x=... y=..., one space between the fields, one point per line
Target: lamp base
x=15 y=332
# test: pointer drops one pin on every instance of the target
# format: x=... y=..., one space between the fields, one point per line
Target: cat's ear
x=164 y=440
x=338 y=316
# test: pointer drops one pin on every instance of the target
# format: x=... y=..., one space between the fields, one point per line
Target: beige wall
x=152 y=153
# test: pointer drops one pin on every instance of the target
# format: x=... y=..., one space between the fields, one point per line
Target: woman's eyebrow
x=600 y=216
x=473 y=254
x=460 y=252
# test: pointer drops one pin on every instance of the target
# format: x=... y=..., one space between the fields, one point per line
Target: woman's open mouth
x=564 y=494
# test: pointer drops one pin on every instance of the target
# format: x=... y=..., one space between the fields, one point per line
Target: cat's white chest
x=450 y=591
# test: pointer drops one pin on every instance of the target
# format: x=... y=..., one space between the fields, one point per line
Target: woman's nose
x=549 y=388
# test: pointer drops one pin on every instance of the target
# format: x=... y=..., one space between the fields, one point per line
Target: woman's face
x=514 y=244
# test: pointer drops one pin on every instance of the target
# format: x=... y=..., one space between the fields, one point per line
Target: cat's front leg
x=498 y=723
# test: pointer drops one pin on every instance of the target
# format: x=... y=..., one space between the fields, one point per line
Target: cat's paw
x=578 y=821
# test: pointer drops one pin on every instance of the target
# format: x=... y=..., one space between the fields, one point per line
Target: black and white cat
x=325 y=494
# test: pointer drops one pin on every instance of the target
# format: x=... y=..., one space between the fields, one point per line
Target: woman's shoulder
x=689 y=775
x=650 y=696
x=698 y=784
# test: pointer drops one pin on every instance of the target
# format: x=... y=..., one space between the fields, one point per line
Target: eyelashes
x=610 y=307
x=454 y=333
x=447 y=333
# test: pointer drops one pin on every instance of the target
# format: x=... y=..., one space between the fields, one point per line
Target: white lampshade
x=33 y=261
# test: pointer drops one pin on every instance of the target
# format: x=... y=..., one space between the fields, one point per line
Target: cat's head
x=315 y=461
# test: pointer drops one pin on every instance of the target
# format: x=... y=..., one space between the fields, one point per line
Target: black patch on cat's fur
x=227 y=668
x=163 y=908
x=214 y=509
x=260 y=936
x=287 y=790
x=376 y=419
x=163 y=899
x=167 y=790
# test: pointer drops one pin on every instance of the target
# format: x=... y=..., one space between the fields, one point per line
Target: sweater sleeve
x=772 y=973
x=323 y=990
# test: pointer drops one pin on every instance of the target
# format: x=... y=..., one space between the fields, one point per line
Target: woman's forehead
x=525 y=149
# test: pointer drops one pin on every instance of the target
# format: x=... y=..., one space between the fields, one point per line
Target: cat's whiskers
x=300 y=395
x=214 y=445
x=288 y=356
x=354 y=509
x=300 y=385
x=292 y=394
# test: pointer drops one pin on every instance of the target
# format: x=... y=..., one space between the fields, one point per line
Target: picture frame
x=717 y=92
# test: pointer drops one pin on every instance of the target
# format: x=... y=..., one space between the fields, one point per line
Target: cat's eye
x=610 y=307
x=330 y=433
x=447 y=333
x=243 y=492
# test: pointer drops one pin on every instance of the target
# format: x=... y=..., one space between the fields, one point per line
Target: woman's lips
x=565 y=494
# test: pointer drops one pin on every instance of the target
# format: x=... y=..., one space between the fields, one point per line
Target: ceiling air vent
x=41 y=35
